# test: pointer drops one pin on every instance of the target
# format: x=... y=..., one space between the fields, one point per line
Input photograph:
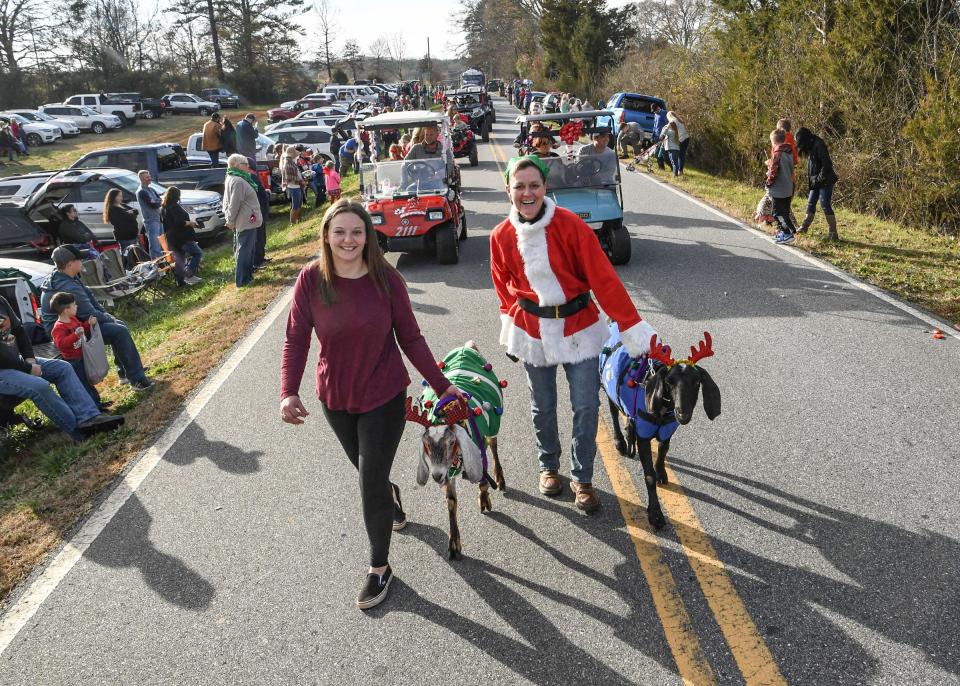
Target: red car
x=289 y=110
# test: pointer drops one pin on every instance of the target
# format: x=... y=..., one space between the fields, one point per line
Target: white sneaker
x=192 y=280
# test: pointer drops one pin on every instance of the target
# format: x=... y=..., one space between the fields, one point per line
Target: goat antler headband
x=662 y=353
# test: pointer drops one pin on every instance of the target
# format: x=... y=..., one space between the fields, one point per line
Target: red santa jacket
x=550 y=262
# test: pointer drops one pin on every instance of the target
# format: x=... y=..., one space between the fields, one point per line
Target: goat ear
x=470 y=453
x=711 y=395
x=423 y=469
x=653 y=393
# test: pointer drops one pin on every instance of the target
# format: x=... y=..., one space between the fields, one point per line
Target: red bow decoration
x=571 y=131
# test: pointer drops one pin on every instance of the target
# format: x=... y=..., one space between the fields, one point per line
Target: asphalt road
x=813 y=538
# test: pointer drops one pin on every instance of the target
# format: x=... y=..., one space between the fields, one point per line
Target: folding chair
x=92 y=276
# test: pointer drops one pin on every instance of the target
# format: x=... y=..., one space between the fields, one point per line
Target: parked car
x=321 y=112
x=350 y=93
x=628 y=107
x=297 y=123
x=166 y=162
x=289 y=110
x=83 y=117
x=33 y=134
x=87 y=188
x=186 y=103
x=67 y=127
x=20 y=282
x=317 y=138
x=150 y=108
x=35 y=270
x=14 y=190
x=221 y=96
x=197 y=156
x=125 y=110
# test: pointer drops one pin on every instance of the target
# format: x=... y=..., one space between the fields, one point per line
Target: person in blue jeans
x=149 y=201
x=67 y=259
x=24 y=375
x=821 y=178
x=243 y=215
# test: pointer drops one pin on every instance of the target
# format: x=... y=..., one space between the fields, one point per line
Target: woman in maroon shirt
x=357 y=304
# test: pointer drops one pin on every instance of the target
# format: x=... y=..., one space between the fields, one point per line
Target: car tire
x=203 y=111
x=485 y=130
x=615 y=241
x=448 y=247
x=34 y=140
x=473 y=155
x=98 y=127
x=463 y=224
x=149 y=114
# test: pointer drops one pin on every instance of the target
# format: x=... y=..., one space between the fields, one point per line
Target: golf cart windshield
x=581 y=171
x=407 y=177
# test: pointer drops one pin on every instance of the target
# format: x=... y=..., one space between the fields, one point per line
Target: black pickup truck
x=166 y=162
x=150 y=108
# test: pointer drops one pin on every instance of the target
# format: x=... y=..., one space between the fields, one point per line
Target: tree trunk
x=217 y=54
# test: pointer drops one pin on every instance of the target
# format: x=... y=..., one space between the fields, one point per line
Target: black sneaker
x=100 y=424
x=142 y=385
x=374 y=590
x=399 y=516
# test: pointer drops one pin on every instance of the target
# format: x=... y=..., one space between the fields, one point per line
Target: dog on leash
x=456 y=438
x=657 y=394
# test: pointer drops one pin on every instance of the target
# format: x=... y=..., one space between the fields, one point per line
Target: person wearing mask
x=24 y=375
x=72 y=230
x=247 y=138
x=65 y=278
x=181 y=238
x=546 y=263
x=149 y=201
x=211 y=138
x=122 y=218
x=821 y=178
x=357 y=306
x=241 y=210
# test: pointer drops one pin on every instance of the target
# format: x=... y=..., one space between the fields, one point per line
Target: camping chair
x=92 y=276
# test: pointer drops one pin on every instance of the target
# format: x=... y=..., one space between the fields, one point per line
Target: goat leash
x=475 y=430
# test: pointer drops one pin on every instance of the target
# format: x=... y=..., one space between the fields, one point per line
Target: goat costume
x=552 y=261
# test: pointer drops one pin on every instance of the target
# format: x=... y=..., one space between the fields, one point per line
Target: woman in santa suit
x=546 y=262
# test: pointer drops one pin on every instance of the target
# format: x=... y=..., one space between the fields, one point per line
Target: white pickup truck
x=126 y=110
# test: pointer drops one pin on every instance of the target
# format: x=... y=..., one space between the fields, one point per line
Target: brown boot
x=832 y=223
x=585 y=496
x=807 y=221
x=550 y=483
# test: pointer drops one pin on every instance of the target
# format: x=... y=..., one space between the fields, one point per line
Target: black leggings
x=370 y=440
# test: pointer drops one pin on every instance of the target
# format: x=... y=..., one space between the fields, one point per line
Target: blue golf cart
x=584 y=183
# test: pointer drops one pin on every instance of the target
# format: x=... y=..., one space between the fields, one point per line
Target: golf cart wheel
x=615 y=240
x=34 y=140
x=485 y=130
x=473 y=156
x=463 y=225
x=493 y=116
x=98 y=127
x=448 y=248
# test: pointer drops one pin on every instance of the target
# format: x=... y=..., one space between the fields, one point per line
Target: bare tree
x=327 y=18
x=379 y=52
x=678 y=22
x=352 y=58
x=21 y=28
x=396 y=46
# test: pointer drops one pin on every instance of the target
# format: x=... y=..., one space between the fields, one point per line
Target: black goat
x=670 y=389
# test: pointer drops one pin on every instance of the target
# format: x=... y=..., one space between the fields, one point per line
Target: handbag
x=95 y=356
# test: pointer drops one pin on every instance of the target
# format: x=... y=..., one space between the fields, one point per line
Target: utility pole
x=429 y=65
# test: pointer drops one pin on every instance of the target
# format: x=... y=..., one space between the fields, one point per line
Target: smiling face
x=527 y=189
x=346 y=237
x=544 y=145
x=430 y=134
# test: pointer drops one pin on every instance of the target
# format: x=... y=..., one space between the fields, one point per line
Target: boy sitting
x=68 y=335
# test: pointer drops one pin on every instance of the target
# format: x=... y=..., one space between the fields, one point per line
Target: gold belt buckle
x=556 y=312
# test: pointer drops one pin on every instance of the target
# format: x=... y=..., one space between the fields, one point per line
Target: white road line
x=924 y=317
x=27 y=604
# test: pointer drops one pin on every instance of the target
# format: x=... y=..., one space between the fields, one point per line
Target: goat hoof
x=621 y=446
x=662 y=478
x=455 y=554
x=485 y=502
x=656 y=519
x=502 y=486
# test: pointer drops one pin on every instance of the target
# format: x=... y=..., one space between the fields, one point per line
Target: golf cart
x=588 y=185
x=475 y=104
x=415 y=204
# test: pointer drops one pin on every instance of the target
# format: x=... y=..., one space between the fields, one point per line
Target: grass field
x=168 y=129
x=919 y=266
x=47 y=482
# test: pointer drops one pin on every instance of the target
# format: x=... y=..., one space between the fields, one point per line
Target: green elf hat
x=540 y=164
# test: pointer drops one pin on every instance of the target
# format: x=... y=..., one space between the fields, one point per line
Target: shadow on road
x=193 y=444
x=126 y=543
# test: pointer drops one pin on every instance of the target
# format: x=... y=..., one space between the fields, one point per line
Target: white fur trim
x=553 y=347
x=532 y=244
x=636 y=339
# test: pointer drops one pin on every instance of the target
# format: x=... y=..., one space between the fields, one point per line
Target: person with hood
x=821 y=179
x=24 y=375
x=66 y=279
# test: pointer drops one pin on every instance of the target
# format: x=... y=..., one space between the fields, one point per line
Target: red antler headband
x=661 y=352
x=453 y=413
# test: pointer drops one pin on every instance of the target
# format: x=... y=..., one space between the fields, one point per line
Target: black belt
x=555 y=311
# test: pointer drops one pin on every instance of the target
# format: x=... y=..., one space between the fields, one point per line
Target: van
x=341 y=93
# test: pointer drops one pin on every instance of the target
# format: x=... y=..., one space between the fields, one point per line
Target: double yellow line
x=753 y=657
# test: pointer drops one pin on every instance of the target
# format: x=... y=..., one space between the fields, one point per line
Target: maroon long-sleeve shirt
x=359 y=366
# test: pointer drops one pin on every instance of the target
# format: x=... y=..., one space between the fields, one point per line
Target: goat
x=670 y=391
x=457 y=445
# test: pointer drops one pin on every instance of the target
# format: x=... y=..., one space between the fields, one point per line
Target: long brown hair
x=170 y=197
x=108 y=202
x=378 y=268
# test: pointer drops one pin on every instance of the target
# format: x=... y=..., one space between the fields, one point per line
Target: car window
x=167 y=159
x=92 y=192
x=9 y=190
x=636 y=104
x=56 y=110
x=180 y=98
x=75 y=101
x=96 y=160
x=89 y=101
x=312 y=137
x=129 y=159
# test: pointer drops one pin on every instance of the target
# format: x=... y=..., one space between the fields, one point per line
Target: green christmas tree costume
x=464 y=367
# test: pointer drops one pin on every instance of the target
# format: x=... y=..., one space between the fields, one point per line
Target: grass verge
x=916 y=265
x=48 y=483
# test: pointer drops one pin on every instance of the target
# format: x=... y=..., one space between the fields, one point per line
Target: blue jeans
x=244 y=243
x=684 y=144
x=674 y=157
x=296 y=197
x=215 y=158
x=154 y=231
x=82 y=376
x=71 y=407
x=825 y=193
x=584 y=381
x=180 y=257
x=125 y=352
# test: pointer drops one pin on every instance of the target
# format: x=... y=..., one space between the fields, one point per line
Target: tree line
x=879 y=80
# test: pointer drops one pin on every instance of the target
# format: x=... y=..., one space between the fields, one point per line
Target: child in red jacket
x=68 y=335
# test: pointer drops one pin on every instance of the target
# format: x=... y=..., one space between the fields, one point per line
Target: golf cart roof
x=466 y=90
x=395 y=120
x=564 y=116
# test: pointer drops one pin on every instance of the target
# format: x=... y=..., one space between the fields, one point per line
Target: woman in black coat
x=122 y=218
x=821 y=179
x=73 y=231
x=181 y=238
x=228 y=138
